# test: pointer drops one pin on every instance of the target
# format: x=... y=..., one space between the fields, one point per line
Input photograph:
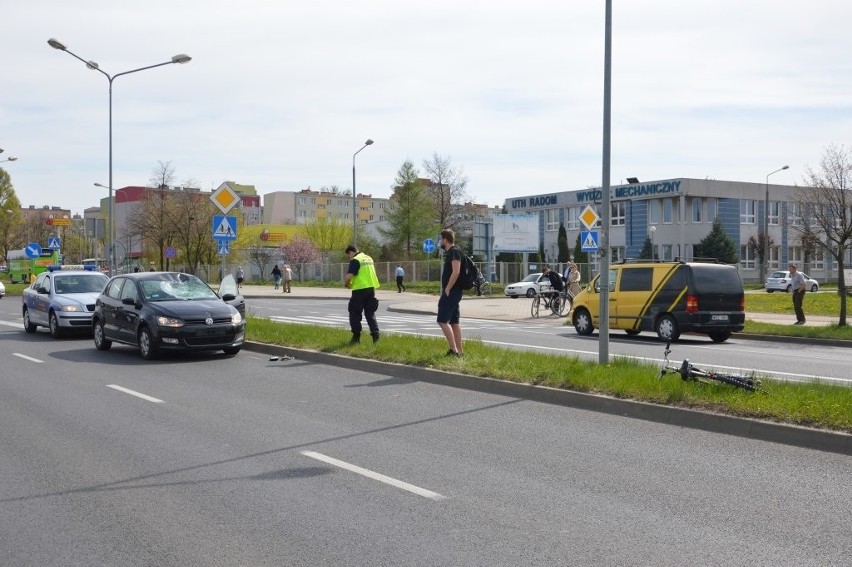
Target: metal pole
x=765 y=263
x=354 y=196
x=603 y=333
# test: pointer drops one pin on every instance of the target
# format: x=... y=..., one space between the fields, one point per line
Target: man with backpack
x=451 y=293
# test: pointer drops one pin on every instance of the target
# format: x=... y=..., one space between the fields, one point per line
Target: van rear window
x=716 y=279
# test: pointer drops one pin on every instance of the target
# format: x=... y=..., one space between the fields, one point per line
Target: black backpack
x=469 y=276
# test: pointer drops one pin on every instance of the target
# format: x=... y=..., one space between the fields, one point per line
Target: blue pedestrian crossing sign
x=53 y=243
x=224 y=227
x=224 y=248
x=589 y=241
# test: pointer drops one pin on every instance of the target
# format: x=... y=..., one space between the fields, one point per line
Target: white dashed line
x=25 y=357
x=133 y=393
x=374 y=475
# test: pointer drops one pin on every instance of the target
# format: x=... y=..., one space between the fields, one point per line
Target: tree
x=717 y=245
x=580 y=257
x=10 y=216
x=412 y=217
x=646 y=252
x=564 y=253
x=755 y=245
x=826 y=207
x=329 y=235
x=299 y=250
x=446 y=187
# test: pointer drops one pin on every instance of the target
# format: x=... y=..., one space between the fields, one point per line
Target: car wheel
x=28 y=325
x=769 y=290
x=147 y=348
x=53 y=326
x=530 y=293
x=583 y=322
x=720 y=337
x=789 y=287
x=667 y=328
x=101 y=342
x=814 y=288
x=231 y=351
x=514 y=296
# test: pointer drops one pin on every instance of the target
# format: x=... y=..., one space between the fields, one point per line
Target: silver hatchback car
x=62 y=300
x=780 y=281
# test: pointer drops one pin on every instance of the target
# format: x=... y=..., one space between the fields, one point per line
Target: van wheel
x=720 y=337
x=632 y=332
x=583 y=322
x=667 y=328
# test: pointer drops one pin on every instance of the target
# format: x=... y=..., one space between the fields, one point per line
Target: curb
x=819 y=439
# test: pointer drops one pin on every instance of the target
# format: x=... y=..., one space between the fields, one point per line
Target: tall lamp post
x=180 y=58
x=651 y=230
x=766 y=224
x=10 y=158
x=354 y=196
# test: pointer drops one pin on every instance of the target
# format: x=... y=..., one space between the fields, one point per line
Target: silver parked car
x=780 y=281
x=529 y=286
x=62 y=300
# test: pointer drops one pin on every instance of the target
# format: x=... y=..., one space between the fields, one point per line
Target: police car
x=62 y=299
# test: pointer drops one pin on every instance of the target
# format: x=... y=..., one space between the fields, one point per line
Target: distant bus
x=21 y=267
x=101 y=263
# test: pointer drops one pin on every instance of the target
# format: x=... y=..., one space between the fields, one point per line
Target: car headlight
x=169 y=322
x=71 y=308
x=236 y=318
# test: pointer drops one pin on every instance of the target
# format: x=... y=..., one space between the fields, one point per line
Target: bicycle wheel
x=536 y=304
x=738 y=381
x=486 y=288
x=564 y=306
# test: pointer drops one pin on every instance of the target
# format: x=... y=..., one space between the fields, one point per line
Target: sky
x=280 y=94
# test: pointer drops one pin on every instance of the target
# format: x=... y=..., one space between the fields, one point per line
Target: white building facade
x=681 y=212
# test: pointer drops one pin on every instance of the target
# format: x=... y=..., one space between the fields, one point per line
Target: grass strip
x=817 y=405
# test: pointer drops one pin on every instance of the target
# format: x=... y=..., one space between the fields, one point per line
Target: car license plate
x=719 y=318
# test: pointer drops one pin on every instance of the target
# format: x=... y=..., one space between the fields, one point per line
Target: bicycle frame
x=689 y=372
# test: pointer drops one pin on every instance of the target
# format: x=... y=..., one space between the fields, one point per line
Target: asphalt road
x=209 y=460
x=775 y=359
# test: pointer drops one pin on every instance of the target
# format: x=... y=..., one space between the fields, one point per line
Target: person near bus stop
x=361 y=278
x=798 y=286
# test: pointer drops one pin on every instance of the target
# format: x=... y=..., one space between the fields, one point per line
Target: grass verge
x=814 y=405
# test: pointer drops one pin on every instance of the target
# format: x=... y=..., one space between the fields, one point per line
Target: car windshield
x=175 y=287
x=79 y=283
x=531 y=278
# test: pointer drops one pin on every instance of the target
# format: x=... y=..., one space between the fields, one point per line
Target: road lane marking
x=25 y=357
x=374 y=475
x=137 y=394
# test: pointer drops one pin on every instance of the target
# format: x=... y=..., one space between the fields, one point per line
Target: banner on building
x=515 y=233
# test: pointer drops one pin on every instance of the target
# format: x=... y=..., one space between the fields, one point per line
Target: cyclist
x=555 y=280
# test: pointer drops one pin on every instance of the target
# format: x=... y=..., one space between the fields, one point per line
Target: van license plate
x=719 y=318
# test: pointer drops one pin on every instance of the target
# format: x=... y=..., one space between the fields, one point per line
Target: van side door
x=634 y=291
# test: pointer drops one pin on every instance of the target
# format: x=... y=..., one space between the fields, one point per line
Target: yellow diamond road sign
x=225 y=198
x=589 y=217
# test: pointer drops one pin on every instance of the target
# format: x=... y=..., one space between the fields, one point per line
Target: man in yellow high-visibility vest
x=362 y=280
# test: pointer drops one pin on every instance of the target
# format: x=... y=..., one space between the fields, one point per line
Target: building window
x=795 y=256
x=667 y=252
x=697 y=209
x=654 y=212
x=551 y=219
x=711 y=210
x=794 y=214
x=617 y=254
x=303 y=200
x=818 y=259
x=747 y=257
x=773 y=257
x=747 y=209
x=573 y=218
x=618 y=213
x=303 y=214
x=774 y=217
x=667 y=211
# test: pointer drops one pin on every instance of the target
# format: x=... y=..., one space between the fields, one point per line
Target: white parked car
x=780 y=281
x=529 y=286
x=2 y=290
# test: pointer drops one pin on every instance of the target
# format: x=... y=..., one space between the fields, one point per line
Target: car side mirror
x=43 y=290
x=128 y=301
x=228 y=297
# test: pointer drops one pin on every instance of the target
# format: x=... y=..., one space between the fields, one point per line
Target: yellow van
x=668 y=298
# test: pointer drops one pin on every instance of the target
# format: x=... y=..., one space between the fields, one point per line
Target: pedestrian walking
x=288 y=278
x=400 y=275
x=798 y=286
x=362 y=280
x=451 y=293
x=276 y=275
x=240 y=275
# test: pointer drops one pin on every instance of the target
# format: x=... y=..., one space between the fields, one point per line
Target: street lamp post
x=354 y=196
x=180 y=58
x=651 y=230
x=766 y=224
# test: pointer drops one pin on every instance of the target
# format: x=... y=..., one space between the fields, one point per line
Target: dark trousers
x=363 y=301
x=399 y=285
x=797 y=305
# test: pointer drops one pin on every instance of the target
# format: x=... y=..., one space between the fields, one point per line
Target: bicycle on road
x=690 y=372
x=558 y=302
